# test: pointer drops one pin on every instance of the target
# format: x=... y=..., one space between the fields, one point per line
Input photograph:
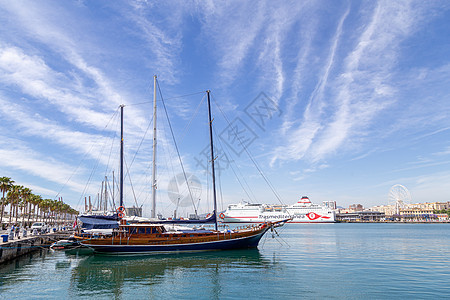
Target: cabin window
x=141 y=230
x=149 y=230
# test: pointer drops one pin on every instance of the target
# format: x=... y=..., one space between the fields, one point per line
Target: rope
x=251 y=157
x=176 y=147
x=175 y=97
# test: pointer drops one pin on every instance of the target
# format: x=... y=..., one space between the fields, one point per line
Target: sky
x=335 y=100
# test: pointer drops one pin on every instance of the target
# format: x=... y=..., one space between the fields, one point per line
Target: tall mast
x=100 y=198
x=153 y=214
x=121 y=157
x=113 y=188
x=212 y=160
x=106 y=194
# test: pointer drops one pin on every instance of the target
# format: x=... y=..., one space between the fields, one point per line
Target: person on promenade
x=17 y=229
x=11 y=232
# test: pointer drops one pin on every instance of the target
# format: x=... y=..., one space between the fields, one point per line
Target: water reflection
x=101 y=275
x=9 y=267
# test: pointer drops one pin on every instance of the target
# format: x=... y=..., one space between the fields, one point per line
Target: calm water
x=340 y=261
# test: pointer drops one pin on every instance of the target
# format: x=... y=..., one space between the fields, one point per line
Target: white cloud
x=342 y=107
x=23 y=158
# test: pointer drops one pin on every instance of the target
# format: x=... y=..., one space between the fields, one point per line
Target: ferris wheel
x=399 y=196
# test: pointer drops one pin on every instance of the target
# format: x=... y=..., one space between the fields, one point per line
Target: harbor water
x=336 y=261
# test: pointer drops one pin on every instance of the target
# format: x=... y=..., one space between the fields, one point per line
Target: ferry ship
x=301 y=212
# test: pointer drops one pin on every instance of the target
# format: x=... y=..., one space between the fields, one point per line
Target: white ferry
x=301 y=212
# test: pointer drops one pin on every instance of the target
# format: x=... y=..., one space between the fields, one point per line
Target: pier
x=12 y=249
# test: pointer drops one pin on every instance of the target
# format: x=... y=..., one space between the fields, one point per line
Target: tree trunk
x=3 y=210
x=11 y=208
x=29 y=212
x=17 y=210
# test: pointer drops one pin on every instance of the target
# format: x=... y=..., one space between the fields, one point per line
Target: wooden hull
x=220 y=242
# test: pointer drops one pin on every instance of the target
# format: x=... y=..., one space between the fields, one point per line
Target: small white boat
x=65 y=244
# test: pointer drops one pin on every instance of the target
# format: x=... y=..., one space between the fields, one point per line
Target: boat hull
x=227 y=244
x=308 y=216
x=302 y=212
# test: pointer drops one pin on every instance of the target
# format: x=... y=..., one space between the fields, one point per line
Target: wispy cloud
x=302 y=137
x=83 y=92
x=233 y=27
x=359 y=92
x=163 y=40
x=35 y=163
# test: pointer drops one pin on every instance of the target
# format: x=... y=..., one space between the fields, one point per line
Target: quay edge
x=18 y=247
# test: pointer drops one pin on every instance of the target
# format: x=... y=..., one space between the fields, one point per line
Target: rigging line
x=94 y=169
x=176 y=147
x=140 y=144
x=131 y=183
x=111 y=202
x=193 y=117
x=142 y=140
x=175 y=97
x=250 y=156
x=277 y=236
x=97 y=161
x=84 y=156
x=234 y=171
x=220 y=191
x=281 y=230
x=110 y=153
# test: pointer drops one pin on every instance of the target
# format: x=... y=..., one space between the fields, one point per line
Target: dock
x=12 y=249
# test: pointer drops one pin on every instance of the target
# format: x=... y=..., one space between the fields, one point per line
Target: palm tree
x=13 y=196
x=34 y=200
x=25 y=195
x=19 y=200
x=5 y=185
x=45 y=208
x=65 y=208
x=39 y=200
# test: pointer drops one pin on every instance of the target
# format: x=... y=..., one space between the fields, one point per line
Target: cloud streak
x=345 y=101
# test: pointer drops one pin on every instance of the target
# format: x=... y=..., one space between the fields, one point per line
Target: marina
x=337 y=261
x=224 y=150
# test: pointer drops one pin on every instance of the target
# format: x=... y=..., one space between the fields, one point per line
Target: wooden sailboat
x=147 y=237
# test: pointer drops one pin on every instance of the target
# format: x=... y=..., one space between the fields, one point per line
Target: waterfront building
x=417 y=212
x=329 y=204
x=388 y=210
x=361 y=216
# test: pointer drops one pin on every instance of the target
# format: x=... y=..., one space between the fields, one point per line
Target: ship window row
x=142 y=230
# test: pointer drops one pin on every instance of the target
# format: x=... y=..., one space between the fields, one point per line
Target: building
x=361 y=216
x=417 y=212
x=356 y=207
x=329 y=204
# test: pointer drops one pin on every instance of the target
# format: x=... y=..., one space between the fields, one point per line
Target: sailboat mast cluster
x=144 y=237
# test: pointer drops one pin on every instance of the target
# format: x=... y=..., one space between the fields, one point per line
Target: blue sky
x=352 y=96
